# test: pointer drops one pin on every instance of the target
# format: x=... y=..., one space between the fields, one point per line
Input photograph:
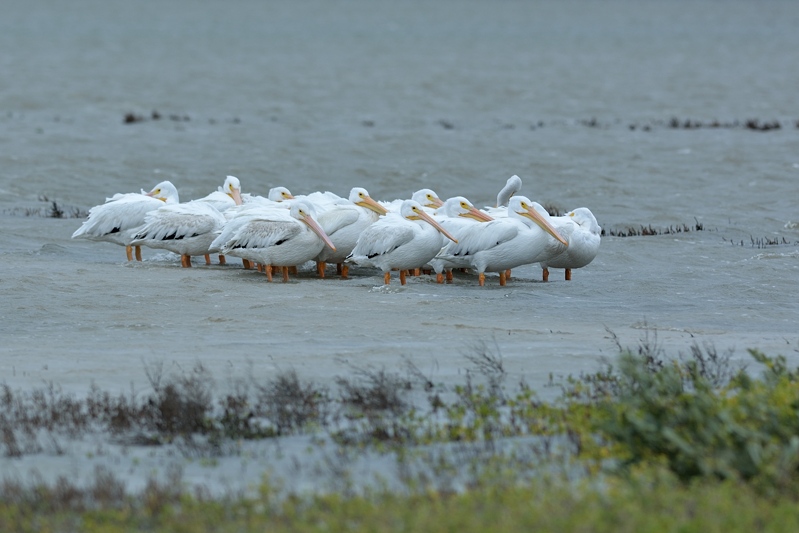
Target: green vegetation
x=648 y=443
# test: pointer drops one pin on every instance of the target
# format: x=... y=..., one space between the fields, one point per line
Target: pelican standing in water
x=581 y=229
x=524 y=237
x=344 y=222
x=456 y=216
x=185 y=229
x=401 y=241
x=117 y=219
x=189 y=229
x=277 y=237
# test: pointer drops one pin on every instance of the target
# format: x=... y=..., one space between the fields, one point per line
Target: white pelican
x=512 y=186
x=427 y=198
x=186 y=229
x=344 y=222
x=226 y=196
x=277 y=237
x=116 y=219
x=320 y=200
x=521 y=238
x=456 y=215
x=582 y=231
x=279 y=194
x=404 y=240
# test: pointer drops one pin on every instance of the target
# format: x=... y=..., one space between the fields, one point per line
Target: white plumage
x=117 y=219
x=427 y=198
x=188 y=229
x=185 y=229
x=401 y=241
x=521 y=238
x=581 y=230
x=226 y=196
x=275 y=237
x=512 y=186
x=344 y=222
x=457 y=215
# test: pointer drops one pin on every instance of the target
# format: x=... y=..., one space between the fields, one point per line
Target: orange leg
x=507 y=274
x=320 y=269
x=246 y=264
x=260 y=267
x=185 y=261
x=207 y=259
x=387 y=278
x=482 y=279
x=222 y=260
x=138 y=253
x=268 y=270
x=568 y=274
x=546 y=274
x=339 y=268
x=502 y=278
x=439 y=278
x=402 y=277
x=285 y=274
x=345 y=271
x=129 y=252
x=449 y=275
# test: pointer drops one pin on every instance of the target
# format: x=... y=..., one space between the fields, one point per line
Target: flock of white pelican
x=280 y=232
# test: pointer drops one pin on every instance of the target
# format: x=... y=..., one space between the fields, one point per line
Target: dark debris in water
x=673 y=123
x=649 y=230
x=52 y=209
x=762 y=242
x=677 y=123
x=155 y=115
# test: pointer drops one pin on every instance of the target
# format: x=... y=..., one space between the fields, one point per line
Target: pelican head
x=278 y=194
x=166 y=192
x=583 y=217
x=458 y=206
x=359 y=196
x=413 y=210
x=524 y=207
x=512 y=186
x=232 y=188
x=427 y=198
x=304 y=212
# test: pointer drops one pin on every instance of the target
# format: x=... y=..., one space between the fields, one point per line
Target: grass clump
x=647 y=501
